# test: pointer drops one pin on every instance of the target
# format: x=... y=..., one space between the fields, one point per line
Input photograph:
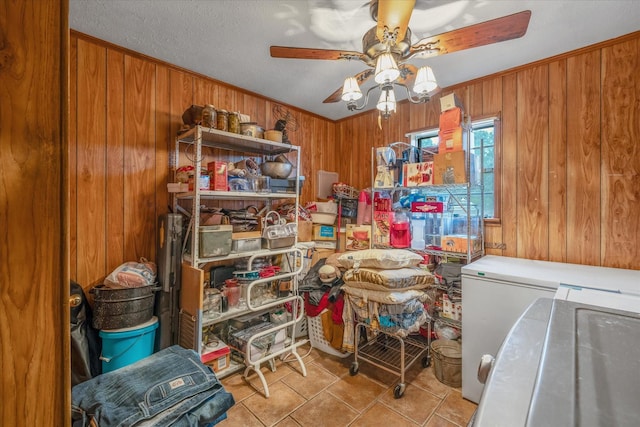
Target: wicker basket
x=344 y=191
x=317 y=339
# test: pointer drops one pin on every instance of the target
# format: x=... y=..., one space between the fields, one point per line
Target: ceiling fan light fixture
x=386 y=69
x=387 y=102
x=425 y=81
x=351 y=90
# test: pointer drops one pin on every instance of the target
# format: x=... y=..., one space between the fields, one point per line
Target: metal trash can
x=447 y=356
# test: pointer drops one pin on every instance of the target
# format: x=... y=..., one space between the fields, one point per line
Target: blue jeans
x=169 y=388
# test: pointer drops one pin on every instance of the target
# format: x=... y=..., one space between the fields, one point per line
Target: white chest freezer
x=496 y=291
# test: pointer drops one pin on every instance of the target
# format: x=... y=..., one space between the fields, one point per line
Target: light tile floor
x=330 y=396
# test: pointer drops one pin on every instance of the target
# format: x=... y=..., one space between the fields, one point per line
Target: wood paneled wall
x=570 y=153
x=125 y=112
x=35 y=383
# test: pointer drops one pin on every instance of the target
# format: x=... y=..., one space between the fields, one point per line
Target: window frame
x=497 y=158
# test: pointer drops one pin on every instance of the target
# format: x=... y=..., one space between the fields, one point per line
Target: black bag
x=85 y=343
x=451 y=274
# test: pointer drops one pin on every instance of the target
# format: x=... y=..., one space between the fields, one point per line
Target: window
x=484 y=146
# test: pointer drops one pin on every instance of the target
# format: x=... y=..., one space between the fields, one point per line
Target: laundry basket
x=317 y=339
x=447 y=356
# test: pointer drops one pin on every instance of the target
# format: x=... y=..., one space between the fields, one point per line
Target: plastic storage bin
x=317 y=339
x=122 y=347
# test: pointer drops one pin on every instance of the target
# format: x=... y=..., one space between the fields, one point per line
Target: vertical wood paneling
x=621 y=155
x=91 y=163
x=139 y=161
x=492 y=96
x=558 y=161
x=509 y=207
x=531 y=107
x=583 y=159
x=532 y=160
x=115 y=160
x=72 y=158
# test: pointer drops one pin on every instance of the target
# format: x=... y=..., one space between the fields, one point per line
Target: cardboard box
x=458 y=243
x=204 y=182
x=452 y=140
x=357 y=237
x=449 y=168
x=382 y=202
x=218 y=357
x=305 y=231
x=382 y=227
x=319 y=254
x=218 y=174
x=427 y=207
x=418 y=174
x=324 y=232
x=450 y=101
x=450 y=119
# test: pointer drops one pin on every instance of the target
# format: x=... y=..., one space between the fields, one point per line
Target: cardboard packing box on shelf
x=458 y=243
x=450 y=119
x=417 y=174
x=382 y=228
x=305 y=231
x=449 y=168
x=452 y=140
x=324 y=232
x=218 y=176
x=218 y=356
x=450 y=101
x=320 y=253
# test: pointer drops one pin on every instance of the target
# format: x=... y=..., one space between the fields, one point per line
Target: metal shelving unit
x=192 y=320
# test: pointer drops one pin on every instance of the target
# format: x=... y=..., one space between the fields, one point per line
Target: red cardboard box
x=417 y=174
x=218 y=174
x=427 y=207
x=450 y=119
x=218 y=357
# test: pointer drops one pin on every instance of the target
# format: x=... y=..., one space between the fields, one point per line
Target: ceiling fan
x=387 y=47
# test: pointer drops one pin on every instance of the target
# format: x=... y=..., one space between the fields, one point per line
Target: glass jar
x=223 y=120
x=209 y=116
x=234 y=122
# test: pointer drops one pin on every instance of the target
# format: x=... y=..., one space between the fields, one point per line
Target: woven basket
x=344 y=191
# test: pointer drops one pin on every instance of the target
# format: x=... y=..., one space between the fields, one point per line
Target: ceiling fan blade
x=393 y=16
x=408 y=74
x=496 y=30
x=361 y=77
x=310 y=53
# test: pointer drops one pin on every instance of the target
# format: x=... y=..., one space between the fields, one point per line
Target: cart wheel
x=353 y=369
x=426 y=362
x=398 y=391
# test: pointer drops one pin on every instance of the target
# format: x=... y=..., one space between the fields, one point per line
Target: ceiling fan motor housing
x=373 y=47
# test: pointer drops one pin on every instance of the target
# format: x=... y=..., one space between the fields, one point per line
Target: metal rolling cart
x=390 y=351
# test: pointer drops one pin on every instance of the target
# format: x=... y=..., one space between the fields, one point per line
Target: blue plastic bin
x=122 y=347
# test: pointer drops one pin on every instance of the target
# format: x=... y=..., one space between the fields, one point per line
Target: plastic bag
x=132 y=275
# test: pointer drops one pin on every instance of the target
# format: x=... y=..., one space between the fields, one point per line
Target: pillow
x=399 y=278
x=380 y=258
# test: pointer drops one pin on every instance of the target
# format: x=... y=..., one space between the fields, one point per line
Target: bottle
x=209 y=116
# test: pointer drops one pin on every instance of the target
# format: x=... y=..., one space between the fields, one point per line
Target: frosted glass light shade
x=387 y=101
x=386 y=69
x=425 y=80
x=350 y=90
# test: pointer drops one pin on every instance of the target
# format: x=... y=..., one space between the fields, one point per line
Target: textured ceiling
x=229 y=40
